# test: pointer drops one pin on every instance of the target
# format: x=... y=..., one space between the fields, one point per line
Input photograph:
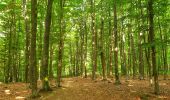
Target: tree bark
x=152 y=37
x=27 y=41
x=33 y=66
x=164 y=50
x=94 y=40
x=110 y=69
x=117 y=81
x=102 y=54
x=61 y=43
x=51 y=61
x=45 y=58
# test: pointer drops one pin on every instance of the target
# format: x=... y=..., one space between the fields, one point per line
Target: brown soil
x=78 y=88
x=86 y=89
x=14 y=91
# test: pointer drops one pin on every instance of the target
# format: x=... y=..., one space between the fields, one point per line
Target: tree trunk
x=40 y=47
x=94 y=41
x=33 y=66
x=71 y=59
x=141 y=66
x=164 y=50
x=51 y=61
x=85 y=54
x=77 y=56
x=110 y=71
x=8 y=66
x=133 y=55
x=129 y=53
x=117 y=81
x=27 y=41
x=147 y=55
x=122 y=46
x=141 y=34
x=82 y=32
x=102 y=54
x=45 y=58
x=61 y=43
x=152 y=37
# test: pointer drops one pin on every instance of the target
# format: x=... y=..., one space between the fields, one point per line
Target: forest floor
x=78 y=88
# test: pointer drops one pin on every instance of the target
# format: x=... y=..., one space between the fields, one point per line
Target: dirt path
x=86 y=89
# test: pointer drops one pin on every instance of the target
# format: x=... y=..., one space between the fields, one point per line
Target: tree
x=140 y=37
x=110 y=72
x=117 y=81
x=33 y=66
x=102 y=53
x=153 y=49
x=61 y=42
x=94 y=40
x=46 y=46
x=27 y=41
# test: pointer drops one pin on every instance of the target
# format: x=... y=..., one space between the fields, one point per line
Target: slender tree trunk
x=122 y=44
x=117 y=81
x=152 y=37
x=110 y=72
x=133 y=55
x=27 y=41
x=165 y=59
x=147 y=55
x=101 y=45
x=82 y=32
x=45 y=58
x=61 y=43
x=33 y=66
x=94 y=41
x=129 y=53
x=141 y=66
x=40 y=47
x=11 y=64
x=85 y=54
x=141 y=35
x=14 y=46
x=8 y=66
x=77 y=56
x=74 y=63
x=51 y=61
x=71 y=60
x=164 y=51
x=102 y=54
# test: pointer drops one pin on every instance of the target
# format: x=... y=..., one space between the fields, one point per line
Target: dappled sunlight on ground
x=19 y=98
x=78 y=88
x=14 y=91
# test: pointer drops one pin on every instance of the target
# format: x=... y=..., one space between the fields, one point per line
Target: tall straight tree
x=110 y=71
x=8 y=69
x=122 y=42
x=45 y=58
x=61 y=42
x=94 y=40
x=27 y=41
x=102 y=53
x=117 y=81
x=164 y=49
x=140 y=38
x=33 y=66
x=153 y=49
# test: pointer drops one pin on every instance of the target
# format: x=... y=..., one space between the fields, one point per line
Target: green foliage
x=132 y=19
